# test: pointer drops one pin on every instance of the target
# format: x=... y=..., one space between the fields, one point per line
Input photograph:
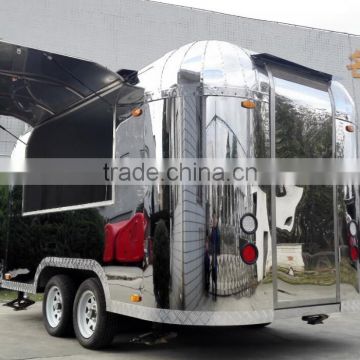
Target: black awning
x=36 y=85
x=264 y=58
x=72 y=105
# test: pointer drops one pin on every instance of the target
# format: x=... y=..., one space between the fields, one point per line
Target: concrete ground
x=22 y=336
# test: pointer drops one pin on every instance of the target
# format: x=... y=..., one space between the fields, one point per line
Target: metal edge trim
x=198 y=318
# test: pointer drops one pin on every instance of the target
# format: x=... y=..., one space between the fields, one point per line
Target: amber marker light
x=248 y=104
x=7 y=276
x=136 y=112
x=135 y=298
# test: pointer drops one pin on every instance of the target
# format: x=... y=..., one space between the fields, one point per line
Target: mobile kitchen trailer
x=284 y=251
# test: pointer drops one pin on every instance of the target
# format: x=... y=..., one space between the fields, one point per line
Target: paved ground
x=22 y=336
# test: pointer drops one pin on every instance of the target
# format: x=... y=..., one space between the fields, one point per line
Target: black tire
x=67 y=289
x=104 y=330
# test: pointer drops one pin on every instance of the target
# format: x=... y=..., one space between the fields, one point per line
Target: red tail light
x=354 y=253
x=249 y=254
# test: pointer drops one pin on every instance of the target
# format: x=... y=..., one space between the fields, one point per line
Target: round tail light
x=354 y=253
x=249 y=254
x=248 y=223
x=352 y=226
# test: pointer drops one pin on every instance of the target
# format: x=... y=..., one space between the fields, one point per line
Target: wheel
x=94 y=327
x=57 y=305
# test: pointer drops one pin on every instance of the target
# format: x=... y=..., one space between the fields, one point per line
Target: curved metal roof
x=218 y=63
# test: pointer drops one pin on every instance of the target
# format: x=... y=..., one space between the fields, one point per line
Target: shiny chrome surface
x=348 y=209
x=345 y=107
x=217 y=64
x=305 y=238
x=230 y=133
x=194 y=110
x=186 y=123
x=204 y=276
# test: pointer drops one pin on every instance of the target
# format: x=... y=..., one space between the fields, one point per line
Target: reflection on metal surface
x=195 y=109
x=348 y=212
x=306 y=264
x=344 y=104
x=234 y=132
x=207 y=271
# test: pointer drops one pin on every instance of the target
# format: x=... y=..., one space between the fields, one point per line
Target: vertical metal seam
x=273 y=193
x=357 y=115
x=335 y=202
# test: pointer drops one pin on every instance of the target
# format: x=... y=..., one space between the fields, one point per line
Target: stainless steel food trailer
x=282 y=251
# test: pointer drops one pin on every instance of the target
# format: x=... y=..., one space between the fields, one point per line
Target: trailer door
x=305 y=241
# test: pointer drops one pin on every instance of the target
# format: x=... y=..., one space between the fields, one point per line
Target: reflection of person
x=207 y=267
x=215 y=252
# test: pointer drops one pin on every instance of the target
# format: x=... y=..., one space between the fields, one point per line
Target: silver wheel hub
x=87 y=314
x=54 y=306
